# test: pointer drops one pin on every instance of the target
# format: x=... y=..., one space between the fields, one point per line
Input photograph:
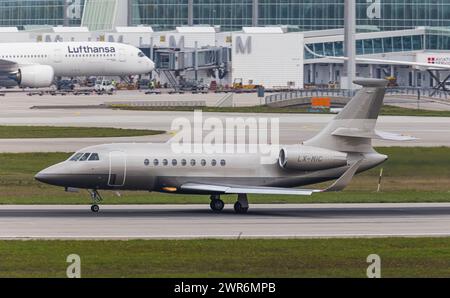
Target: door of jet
x=117 y=169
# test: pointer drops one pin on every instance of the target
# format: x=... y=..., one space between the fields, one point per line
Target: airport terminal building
x=266 y=42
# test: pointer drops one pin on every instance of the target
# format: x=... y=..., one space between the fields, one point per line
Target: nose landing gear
x=96 y=198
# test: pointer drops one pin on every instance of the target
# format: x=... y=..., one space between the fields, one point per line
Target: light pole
x=350 y=41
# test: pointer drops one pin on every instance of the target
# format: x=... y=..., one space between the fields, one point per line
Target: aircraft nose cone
x=45 y=177
x=151 y=65
x=52 y=175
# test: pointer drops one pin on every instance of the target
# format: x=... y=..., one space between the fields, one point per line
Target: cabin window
x=223 y=163
x=155 y=162
x=213 y=162
x=165 y=162
x=183 y=162
x=193 y=162
x=203 y=162
x=94 y=157
x=146 y=162
x=174 y=162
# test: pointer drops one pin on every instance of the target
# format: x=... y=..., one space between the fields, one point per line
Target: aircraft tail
x=353 y=129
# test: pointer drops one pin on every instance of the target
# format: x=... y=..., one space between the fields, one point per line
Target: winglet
x=345 y=179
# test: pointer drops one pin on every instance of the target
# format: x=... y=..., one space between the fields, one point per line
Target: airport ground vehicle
x=144 y=84
x=90 y=82
x=65 y=85
x=238 y=84
x=104 y=86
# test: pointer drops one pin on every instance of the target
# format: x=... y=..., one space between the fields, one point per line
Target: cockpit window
x=85 y=157
x=76 y=156
x=140 y=54
x=94 y=157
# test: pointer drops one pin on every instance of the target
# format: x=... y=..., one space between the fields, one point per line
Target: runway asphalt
x=197 y=221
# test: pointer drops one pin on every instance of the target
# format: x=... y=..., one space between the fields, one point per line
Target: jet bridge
x=173 y=63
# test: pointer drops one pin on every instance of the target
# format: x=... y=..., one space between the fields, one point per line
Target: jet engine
x=35 y=76
x=306 y=158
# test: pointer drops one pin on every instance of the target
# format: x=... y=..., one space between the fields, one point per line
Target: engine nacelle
x=35 y=76
x=306 y=158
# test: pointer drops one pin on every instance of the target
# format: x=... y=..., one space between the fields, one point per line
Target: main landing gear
x=240 y=207
x=96 y=199
x=217 y=204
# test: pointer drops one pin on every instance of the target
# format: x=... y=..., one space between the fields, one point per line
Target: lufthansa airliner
x=37 y=64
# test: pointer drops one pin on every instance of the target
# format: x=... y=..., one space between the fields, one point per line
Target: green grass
x=399 y=111
x=410 y=175
x=408 y=257
x=22 y=132
x=386 y=110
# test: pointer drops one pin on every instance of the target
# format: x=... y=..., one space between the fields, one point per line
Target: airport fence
x=415 y=93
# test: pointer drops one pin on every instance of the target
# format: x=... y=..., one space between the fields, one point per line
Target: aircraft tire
x=239 y=209
x=217 y=205
x=95 y=208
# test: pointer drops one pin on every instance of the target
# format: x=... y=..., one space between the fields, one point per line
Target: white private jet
x=36 y=64
x=341 y=150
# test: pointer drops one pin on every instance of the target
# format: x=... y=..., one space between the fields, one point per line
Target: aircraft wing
x=7 y=66
x=339 y=185
x=242 y=189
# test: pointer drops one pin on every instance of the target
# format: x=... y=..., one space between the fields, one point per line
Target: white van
x=104 y=86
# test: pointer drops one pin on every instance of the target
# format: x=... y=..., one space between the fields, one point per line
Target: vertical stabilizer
x=352 y=128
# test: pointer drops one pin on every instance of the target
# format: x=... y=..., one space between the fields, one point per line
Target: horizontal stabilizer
x=375 y=134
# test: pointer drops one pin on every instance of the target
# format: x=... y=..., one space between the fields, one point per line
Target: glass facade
x=19 y=13
x=372 y=15
x=306 y=15
x=160 y=14
x=405 y=43
x=99 y=16
x=404 y=14
x=438 y=39
x=229 y=14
